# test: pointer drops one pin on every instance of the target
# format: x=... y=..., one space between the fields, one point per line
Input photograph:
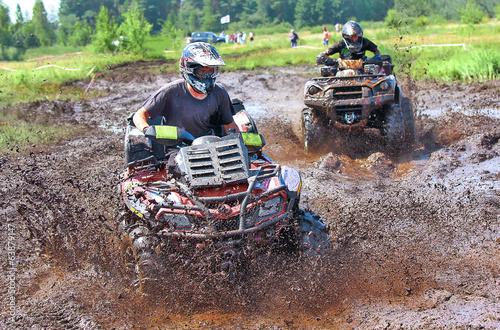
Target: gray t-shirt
x=174 y=102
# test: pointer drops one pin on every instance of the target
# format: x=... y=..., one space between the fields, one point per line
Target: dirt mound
x=416 y=243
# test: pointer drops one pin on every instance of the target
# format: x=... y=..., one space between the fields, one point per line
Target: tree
x=88 y=9
x=105 y=32
x=415 y=8
x=209 y=21
x=134 y=29
x=81 y=36
x=5 y=37
x=43 y=29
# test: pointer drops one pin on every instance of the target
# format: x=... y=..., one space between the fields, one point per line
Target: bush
x=422 y=21
x=471 y=13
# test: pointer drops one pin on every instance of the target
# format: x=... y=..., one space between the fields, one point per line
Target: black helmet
x=195 y=59
x=349 y=30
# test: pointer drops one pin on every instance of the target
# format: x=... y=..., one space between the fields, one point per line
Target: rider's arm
x=377 y=52
x=232 y=126
x=140 y=119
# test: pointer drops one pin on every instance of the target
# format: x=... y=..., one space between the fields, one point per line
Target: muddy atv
x=218 y=194
x=352 y=96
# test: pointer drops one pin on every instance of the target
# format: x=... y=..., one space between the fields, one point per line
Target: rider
x=194 y=103
x=352 y=46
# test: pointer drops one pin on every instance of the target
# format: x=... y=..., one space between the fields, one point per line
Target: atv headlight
x=270 y=207
x=313 y=90
x=384 y=85
x=177 y=221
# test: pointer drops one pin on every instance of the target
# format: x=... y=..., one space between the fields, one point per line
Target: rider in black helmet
x=352 y=46
x=196 y=103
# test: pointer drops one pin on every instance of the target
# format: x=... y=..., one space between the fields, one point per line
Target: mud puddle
x=417 y=241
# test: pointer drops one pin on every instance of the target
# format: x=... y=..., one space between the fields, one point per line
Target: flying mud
x=416 y=241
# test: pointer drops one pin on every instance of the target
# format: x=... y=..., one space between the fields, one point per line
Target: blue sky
x=51 y=6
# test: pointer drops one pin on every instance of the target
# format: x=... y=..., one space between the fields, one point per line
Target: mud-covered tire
x=143 y=244
x=312 y=131
x=399 y=128
x=314 y=237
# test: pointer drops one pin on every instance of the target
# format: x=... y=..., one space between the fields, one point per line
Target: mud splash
x=416 y=243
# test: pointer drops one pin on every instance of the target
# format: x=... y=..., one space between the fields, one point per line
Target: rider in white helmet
x=352 y=46
x=196 y=103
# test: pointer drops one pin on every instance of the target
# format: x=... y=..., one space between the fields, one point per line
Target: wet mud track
x=417 y=241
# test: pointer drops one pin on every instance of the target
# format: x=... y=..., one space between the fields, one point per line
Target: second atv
x=354 y=95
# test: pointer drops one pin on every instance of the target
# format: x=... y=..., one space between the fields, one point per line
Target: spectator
x=243 y=37
x=326 y=36
x=337 y=27
x=294 y=38
x=251 y=35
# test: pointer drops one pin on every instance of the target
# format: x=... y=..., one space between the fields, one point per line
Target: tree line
x=109 y=24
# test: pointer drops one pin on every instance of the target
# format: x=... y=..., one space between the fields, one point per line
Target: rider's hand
x=321 y=59
x=149 y=131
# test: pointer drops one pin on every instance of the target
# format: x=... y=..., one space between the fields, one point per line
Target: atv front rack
x=263 y=172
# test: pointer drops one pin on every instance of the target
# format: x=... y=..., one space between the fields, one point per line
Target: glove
x=168 y=135
x=321 y=59
x=330 y=62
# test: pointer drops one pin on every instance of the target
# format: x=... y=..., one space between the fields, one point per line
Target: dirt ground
x=417 y=241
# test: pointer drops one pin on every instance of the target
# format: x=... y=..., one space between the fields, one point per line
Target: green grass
x=17 y=134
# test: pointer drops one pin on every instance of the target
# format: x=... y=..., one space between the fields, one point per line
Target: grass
x=17 y=134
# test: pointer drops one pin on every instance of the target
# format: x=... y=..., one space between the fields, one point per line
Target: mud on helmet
x=349 y=30
x=195 y=58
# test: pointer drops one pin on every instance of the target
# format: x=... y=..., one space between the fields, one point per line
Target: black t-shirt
x=174 y=102
x=344 y=52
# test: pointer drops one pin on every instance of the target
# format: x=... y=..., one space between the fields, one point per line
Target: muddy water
x=416 y=242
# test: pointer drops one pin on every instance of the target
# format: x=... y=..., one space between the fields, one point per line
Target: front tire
x=312 y=131
x=399 y=128
x=314 y=237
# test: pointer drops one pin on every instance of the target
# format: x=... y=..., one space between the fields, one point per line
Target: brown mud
x=417 y=241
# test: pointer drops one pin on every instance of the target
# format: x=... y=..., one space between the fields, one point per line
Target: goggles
x=205 y=72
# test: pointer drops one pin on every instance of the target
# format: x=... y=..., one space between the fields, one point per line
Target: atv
x=352 y=96
x=217 y=193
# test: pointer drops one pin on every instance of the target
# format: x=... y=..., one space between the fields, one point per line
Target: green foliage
x=42 y=28
x=422 y=21
x=471 y=13
x=81 y=36
x=134 y=30
x=497 y=11
x=15 y=138
x=105 y=32
x=209 y=21
x=173 y=36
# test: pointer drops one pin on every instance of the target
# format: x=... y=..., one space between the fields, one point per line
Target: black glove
x=330 y=62
x=321 y=59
